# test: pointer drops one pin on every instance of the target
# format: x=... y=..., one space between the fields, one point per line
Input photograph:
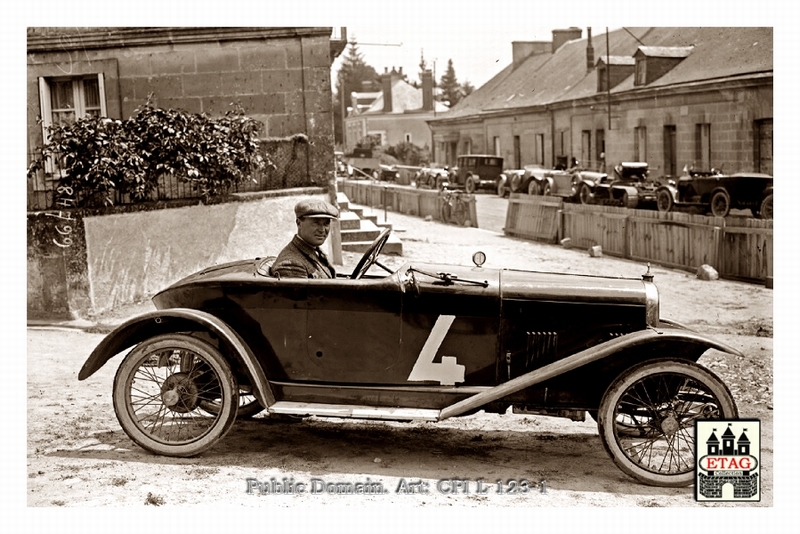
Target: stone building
x=398 y=113
x=281 y=77
x=668 y=96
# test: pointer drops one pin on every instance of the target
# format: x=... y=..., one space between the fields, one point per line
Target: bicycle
x=453 y=206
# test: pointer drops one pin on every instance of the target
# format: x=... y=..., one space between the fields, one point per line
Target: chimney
x=589 y=51
x=562 y=36
x=386 y=84
x=427 y=90
x=522 y=50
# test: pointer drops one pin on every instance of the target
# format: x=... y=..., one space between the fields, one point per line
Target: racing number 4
x=446 y=373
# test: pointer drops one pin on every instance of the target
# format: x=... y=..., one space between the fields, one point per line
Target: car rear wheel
x=720 y=204
x=160 y=389
x=647 y=418
x=547 y=190
x=664 y=200
x=765 y=211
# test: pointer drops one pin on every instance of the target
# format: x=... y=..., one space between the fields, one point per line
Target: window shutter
x=102 y=90
x=47 y=119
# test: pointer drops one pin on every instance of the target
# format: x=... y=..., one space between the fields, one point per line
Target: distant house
x=667 y=96
x=396 y=114
x=281 y=76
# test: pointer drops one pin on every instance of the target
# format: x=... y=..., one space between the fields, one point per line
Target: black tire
x=248 y=405
x=461 y=213
x=547 y=190
x=647 y=415
x=533 y=188
x=469 y=185
x=585 y=194
x=765 y=210
x=720 y=204
x=664 y=201
x=158 y=391
x=446 y=211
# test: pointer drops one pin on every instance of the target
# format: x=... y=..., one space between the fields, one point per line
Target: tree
x=451 y=91
x=353 y=72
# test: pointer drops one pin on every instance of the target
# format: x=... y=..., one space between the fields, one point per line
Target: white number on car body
x=446 y=373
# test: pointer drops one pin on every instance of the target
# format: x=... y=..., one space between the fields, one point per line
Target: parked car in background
x=477 y=171
x=434 y=177
x=718 y=193
x=525 y=180
x=629 y=187
x=424 y=342
x=388 y=173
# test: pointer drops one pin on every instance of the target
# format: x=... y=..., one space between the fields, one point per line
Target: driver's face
x=313 y=230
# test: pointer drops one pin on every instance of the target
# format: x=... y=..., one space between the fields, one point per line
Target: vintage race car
x=719 y=193
x=424 y=342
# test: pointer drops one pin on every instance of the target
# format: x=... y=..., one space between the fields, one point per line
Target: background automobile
x=432 y=178
x=477 y=171
x=387 y=173
x=423 y=342
x=629 y=187
x=719 y=193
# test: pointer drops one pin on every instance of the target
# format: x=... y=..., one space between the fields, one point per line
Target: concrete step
x=392 y=247
x=343 y=201
x=366 y=232
x=349 y=220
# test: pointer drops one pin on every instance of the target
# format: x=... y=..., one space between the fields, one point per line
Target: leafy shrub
x=100 y=156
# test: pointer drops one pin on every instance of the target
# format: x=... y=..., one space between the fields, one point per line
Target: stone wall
x=122 y=258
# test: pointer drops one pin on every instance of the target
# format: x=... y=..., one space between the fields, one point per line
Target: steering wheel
x=371 y=255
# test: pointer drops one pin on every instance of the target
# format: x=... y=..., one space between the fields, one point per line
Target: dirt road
x=77 y=454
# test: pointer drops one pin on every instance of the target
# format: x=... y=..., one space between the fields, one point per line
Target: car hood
x=571 y=287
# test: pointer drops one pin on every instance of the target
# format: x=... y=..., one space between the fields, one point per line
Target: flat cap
x=315 y=207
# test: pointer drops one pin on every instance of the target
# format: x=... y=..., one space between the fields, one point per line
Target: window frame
x=79 y=99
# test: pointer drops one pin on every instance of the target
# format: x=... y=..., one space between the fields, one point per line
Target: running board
x=355 y=412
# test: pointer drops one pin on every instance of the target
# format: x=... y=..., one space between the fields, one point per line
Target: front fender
x=667 y=332
x=143 y=327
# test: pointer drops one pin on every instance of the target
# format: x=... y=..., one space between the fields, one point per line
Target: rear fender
x=668 y=333
x=143 y=327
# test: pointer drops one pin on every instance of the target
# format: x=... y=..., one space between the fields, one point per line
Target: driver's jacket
x=298 y=259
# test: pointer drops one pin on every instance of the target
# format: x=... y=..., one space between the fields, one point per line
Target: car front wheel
x=720 y=204
x=647 y=418
x=585 y=194
x=469 y=185
x=162 y=389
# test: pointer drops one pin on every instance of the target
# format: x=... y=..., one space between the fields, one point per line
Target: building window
x=539 y=149
x=468 y=146
x=64 y=100
x=517 y=153
x=640 y=143
x=600 y=149
x=496 y=146
x=670 y=149
x=703 y=146
x=641 y=72
x=407 y=137
x=586 y=148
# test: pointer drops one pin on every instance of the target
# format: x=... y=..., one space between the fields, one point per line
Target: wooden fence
x=419 y=202
x=737 y=247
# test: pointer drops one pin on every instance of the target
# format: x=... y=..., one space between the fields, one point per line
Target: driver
x=302 y=258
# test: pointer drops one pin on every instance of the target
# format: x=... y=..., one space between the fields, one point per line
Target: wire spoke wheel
x=461 y=212
x=447 y=210
x=647 y=419
x=160 y=391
